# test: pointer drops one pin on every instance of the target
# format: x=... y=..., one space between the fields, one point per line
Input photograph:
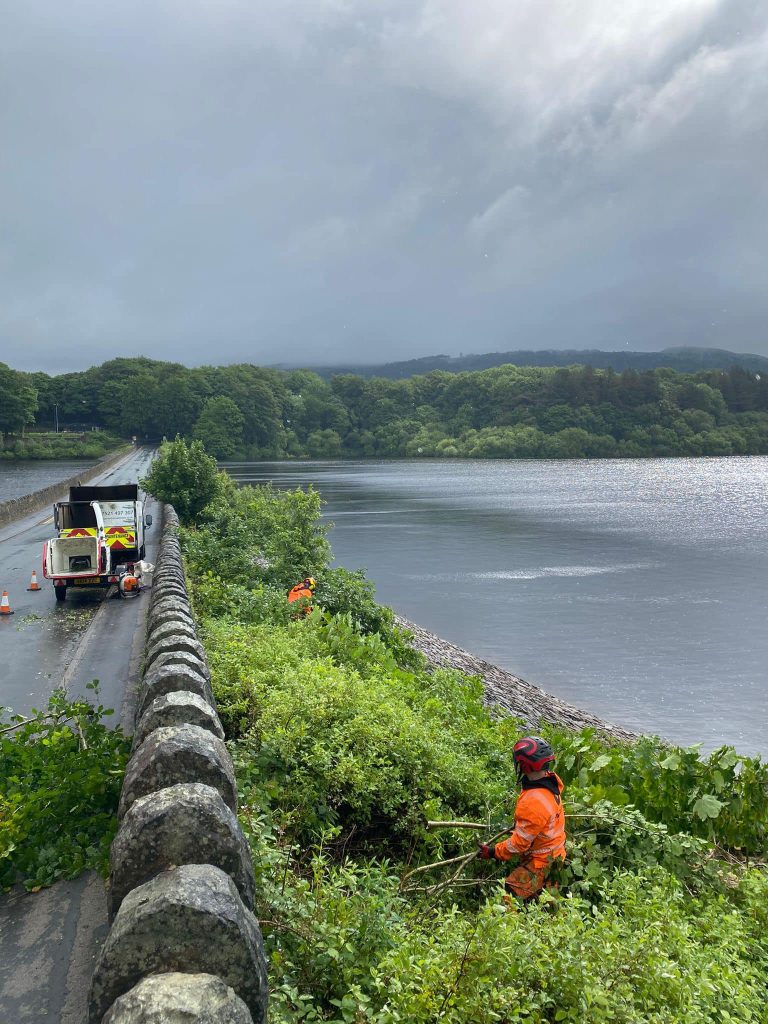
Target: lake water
x=26 y=476
x=635 y=589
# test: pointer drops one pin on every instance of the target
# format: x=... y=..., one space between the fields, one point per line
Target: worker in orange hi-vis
x=538 y=838
x=303 y=592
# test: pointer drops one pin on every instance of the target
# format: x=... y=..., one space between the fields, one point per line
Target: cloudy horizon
x=329 y=181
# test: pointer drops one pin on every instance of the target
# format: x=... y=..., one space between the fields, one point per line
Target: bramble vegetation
x=346 y=744
x=506 y=411
x=60 y=776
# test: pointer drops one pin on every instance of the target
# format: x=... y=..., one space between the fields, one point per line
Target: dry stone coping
x=178 y=753
x=184 y=824
x=172 y=602
x=169 y=579
x=164 y=576
x=169 y=562
x=180 y=707
x=166 y=678
x=176 y=998
x=169 y=614
x=178 y=602
x=170 y=567
x=169 y=559
x=168 y=588
x=174 y=643
x=164 y=628
x=173 y=598
x=189 y=919
x=192 y=661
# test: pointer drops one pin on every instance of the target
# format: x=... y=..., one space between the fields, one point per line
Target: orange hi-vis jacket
x=299 y=591
x=539 y=833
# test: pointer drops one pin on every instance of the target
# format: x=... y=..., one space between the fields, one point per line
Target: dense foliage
x=502 y=412
x=346 y=744
x=185 y=477
x=60 y=776
x=18 y=401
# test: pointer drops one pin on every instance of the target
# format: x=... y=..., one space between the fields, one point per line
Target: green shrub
x=60 y=778
x=187 y=478
x=259 y=535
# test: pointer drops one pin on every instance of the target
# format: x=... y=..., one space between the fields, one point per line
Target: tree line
x=252 y=412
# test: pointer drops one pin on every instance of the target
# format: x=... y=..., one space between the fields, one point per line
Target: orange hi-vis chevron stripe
x=120 y=538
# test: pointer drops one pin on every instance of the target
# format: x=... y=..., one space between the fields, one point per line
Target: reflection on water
x=633 y=588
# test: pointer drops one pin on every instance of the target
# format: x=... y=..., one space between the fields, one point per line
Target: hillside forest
x=250 y=412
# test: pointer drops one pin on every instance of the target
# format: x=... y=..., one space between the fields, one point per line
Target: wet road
x=49 y=940
x=41 y=644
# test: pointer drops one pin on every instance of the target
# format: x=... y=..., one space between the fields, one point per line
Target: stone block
x=169 y=614
x=173 y=603
x=173 y=643
x=166 y=679
x=192 y=661
x=179 y=707
x=165 y=628
x=189 y=919
x=176 y=998
x=184 y=824
x=178 y=753
x=168 y=588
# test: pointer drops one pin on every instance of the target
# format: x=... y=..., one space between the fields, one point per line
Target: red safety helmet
x=532 y=753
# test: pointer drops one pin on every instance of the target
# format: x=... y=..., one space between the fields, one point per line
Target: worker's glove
x=486 y=852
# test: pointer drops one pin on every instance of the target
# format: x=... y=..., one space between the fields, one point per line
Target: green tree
x=18 y=401
x=220 y=427
x=185 y=477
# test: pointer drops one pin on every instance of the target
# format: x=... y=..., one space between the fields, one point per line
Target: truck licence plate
x=87 y=581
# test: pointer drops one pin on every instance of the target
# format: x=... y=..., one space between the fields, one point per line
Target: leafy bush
x=723 y=797
x=60 y=778
x=260 y=535
x=185 y=477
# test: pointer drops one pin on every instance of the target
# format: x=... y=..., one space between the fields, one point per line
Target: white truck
x=99 y=536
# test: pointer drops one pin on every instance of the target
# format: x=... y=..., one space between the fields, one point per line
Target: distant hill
x=685 y=360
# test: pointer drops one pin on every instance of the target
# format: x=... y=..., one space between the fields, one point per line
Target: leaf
x=671 y=763
x=728 y=760
x=600 y=762
x=707 y=806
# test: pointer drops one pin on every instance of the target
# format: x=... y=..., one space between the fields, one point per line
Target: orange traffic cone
x=5 y=607
x=34 y=585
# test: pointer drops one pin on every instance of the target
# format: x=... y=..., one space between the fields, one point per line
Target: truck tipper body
x=99 y=532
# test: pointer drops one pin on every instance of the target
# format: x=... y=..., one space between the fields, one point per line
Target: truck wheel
x=61 y=593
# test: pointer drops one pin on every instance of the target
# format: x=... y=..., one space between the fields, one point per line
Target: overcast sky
x=214 y=181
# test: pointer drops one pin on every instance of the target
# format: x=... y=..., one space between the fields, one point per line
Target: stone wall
x=506 y=690
x=17 y=508
x=184 y=944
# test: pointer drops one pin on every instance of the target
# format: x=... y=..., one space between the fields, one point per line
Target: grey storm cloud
x=213 y=181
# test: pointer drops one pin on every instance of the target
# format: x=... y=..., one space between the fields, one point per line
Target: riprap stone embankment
x=506 y=690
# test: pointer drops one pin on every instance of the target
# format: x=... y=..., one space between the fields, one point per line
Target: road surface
x=49 y=940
